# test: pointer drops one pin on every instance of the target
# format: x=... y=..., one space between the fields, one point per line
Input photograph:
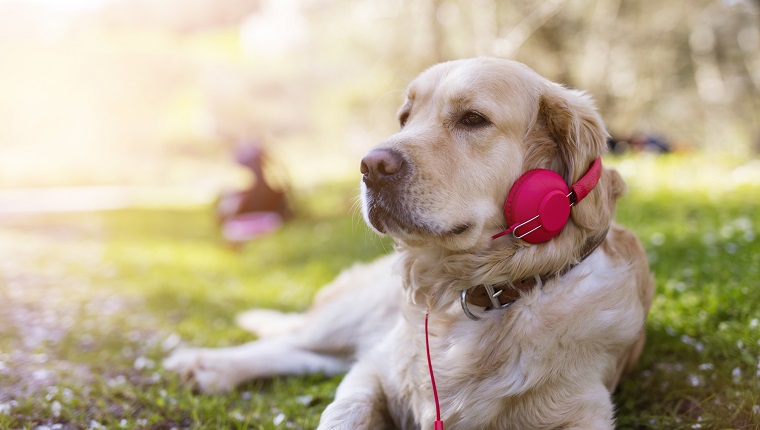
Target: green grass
x=90 y=304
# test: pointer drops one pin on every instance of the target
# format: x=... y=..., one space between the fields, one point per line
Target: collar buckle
x=493 y=296
x=470 y=315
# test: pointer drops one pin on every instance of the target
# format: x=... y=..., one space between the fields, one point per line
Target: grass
x=90 y=304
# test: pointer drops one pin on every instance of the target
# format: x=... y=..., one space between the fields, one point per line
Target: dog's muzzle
x=383 y=169
x=384 y=174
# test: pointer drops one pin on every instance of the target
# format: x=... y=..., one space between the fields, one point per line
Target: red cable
x=438 y=422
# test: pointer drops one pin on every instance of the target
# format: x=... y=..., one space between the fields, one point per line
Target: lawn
x=91 y=302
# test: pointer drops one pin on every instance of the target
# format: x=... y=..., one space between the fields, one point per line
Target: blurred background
x=145 y=100
x=124 y=122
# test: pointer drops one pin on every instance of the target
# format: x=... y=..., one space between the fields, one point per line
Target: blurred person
x=247 y=214
x=642 y=142
x=638 y=142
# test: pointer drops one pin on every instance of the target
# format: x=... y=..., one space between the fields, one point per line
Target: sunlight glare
x=68 y=5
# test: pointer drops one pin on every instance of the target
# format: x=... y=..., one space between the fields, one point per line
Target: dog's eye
x=473 y=119
x=402 y=119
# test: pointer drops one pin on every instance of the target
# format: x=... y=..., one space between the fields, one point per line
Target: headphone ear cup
x=538 y=192
x=513 y=197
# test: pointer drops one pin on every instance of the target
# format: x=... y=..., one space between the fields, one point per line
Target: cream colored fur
x=549 y=361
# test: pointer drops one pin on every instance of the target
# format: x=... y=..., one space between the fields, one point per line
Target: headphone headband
x=580 y=189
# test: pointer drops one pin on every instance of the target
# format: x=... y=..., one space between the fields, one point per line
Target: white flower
x=657 y=239
x=171 y=342
x=736 y=374
x=695 y=381
x=144 y=363
x=55 y=408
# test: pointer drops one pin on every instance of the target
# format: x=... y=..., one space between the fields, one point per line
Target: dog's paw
x=202 y=369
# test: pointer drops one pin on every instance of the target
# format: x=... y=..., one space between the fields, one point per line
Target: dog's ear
x=575 y=127
x=573 y=124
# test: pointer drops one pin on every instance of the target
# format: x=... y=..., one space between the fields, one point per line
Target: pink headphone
x=538 y=204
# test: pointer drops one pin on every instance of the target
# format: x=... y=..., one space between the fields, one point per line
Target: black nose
x=381 y=165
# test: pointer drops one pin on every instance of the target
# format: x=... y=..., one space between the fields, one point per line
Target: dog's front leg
x=360 y=402
x=218 y=370
x=595 y=411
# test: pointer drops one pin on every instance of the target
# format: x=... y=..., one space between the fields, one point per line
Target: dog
x=517 y=329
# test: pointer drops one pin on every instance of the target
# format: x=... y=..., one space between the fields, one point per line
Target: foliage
x=90 y=303
x=154 y=92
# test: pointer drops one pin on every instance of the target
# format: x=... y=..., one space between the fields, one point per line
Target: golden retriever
x=547 y=353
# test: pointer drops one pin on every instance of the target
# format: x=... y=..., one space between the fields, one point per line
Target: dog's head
x=469 y=130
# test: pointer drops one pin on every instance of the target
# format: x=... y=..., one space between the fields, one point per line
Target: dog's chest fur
x=490 y=372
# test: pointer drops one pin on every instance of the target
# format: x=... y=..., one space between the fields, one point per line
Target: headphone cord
x=438 y=422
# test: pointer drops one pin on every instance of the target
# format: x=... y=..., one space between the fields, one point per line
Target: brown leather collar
x=505 y=293
x=508 y=293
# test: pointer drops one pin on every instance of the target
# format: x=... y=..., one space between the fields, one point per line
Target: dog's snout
x=379 y=165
